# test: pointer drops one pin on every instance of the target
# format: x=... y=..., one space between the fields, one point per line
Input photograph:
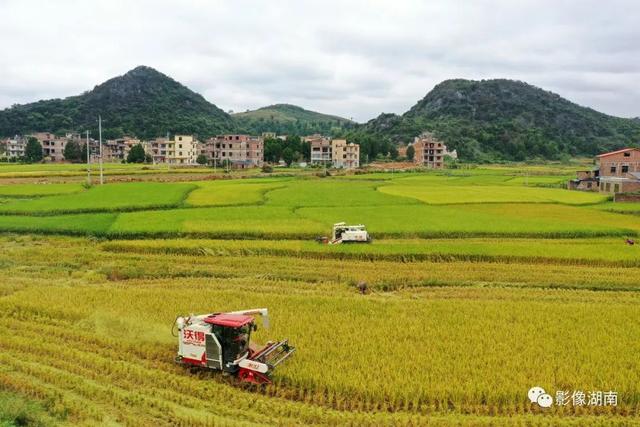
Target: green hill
x=506 y=119
x=142 y=102
x=289 y=119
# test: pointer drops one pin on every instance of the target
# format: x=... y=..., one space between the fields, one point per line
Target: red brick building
x=620 y=171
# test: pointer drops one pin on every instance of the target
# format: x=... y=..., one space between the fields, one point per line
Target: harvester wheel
x=249 y=376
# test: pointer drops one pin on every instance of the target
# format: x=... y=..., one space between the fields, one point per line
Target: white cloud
x=352 y=58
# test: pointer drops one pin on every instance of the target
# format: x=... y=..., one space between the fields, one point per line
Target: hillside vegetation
x=286 y=119
x=506 y=119
x=143 y=102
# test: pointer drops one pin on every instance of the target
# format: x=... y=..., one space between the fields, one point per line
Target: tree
x=272 y=150
x=33 y=150
x=73 y=152
x=393 y=152
x=83 y=153
x=201 y=159
x=289 y=155
x=411 y=152
x=136 y=154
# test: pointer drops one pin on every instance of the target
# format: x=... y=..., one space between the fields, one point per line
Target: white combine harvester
x=343 y=233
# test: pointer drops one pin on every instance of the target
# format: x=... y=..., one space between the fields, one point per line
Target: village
x=616 y=172
x=238 y=151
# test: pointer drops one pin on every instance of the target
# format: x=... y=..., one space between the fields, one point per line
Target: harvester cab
x=221 y=341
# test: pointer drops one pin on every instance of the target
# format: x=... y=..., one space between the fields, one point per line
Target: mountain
x=289 y=119
x=506 y=120
x=143 y=102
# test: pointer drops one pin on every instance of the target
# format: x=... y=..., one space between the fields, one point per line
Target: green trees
x=33 y=150
x=201 y=159
x=73 y=152
x=411 y=152
x=136 y=154
x=288 y=155
x=290 y=150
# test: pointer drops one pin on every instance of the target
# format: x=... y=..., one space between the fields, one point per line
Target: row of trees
x=294 y=148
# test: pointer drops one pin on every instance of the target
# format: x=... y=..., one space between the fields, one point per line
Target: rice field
x=473 y=297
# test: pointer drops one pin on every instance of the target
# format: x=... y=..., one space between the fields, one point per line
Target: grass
x=332 y=192
x=94 y=335
x=480 y=220
x=450 y=194
x=413 y=205
x=598 y=251
x=96 y=224
x=621 y=207
x=18 y=411
x=35 y=190
x=232 y=192
x=111 y=197
x=232 y=221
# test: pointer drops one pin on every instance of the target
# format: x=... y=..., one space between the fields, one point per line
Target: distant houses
x=237 y=151
x=337 y=153
x=617 y=172
x=430 y=151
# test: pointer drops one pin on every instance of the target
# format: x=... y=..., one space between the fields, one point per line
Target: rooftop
x=230 y=320
x=624 y=150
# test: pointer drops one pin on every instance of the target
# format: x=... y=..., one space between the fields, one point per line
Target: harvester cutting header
x=220 y=341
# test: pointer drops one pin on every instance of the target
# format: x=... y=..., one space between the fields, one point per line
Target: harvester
x=343 y=233
x=221 y=341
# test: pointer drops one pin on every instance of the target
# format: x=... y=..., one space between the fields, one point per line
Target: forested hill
x=142 y=102
x=289 y=119
x=506 y=119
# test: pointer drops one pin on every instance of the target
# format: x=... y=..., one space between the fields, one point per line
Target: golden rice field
x=470 y=302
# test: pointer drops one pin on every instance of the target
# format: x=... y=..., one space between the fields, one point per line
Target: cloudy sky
x=351 y=58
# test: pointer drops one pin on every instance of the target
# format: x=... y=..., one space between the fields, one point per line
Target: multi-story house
x=620 y=171
x=115 y=150
x=430 y=151
x=320 y=149
x=240 y=151
x=14 y=147
x=182 y=150
x=345 y=155
x=52 y=145
x=335 y=152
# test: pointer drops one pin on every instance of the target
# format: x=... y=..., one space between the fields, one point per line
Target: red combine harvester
x=220 y=341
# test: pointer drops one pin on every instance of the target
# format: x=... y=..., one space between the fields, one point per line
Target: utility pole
x=88 y=161
x=100 y=136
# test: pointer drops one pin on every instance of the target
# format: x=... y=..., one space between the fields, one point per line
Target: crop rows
x=98 y=347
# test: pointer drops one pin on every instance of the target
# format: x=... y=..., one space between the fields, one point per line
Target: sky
x=355 y=59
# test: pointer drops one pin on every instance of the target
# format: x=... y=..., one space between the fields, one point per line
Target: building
x=52 y=145
x=240 y=151
x=320 y=149
x=115 y=150
x=335 y=152
x=344 y=155
x=620 y=171
x=430 y=151
x=14 y=147
x=586 y=180
x=181 y=150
